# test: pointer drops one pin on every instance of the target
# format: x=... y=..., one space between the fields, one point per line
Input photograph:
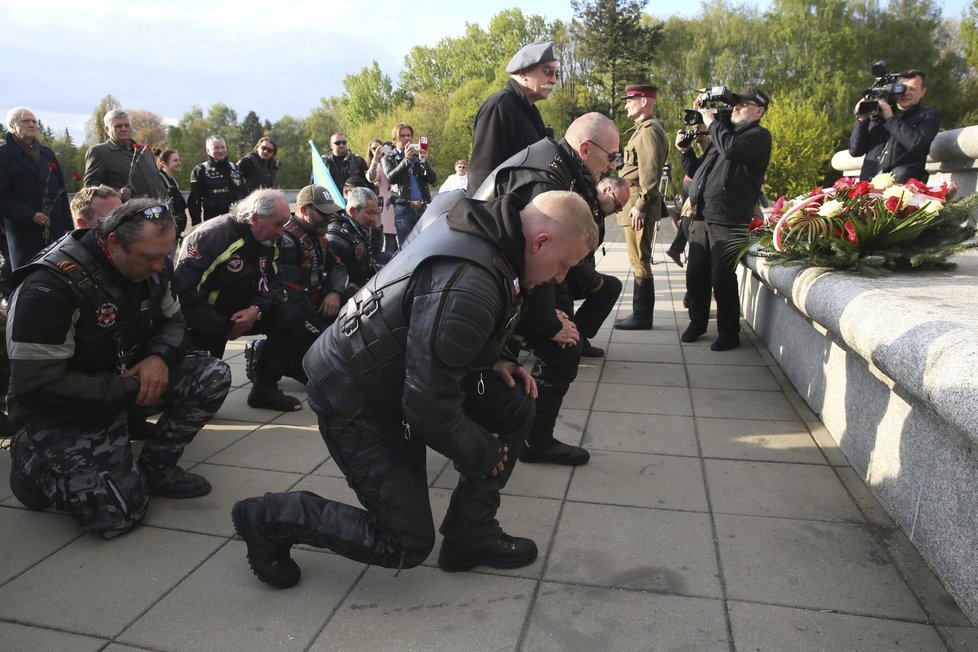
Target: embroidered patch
x=106 y=315
x=235 y=264
x=360 y=251
x=192 y=251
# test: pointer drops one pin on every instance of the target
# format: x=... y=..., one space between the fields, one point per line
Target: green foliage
x=94 y=127
x=803 y=144
x=368 y=94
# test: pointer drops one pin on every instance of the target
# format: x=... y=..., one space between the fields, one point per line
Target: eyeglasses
x=339 y=142
x=747 y=103
x=551 y=72
x=612 y=156
x=265 y=148
x=152 y=213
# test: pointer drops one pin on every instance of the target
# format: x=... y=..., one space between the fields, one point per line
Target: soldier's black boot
x=26 y=490
x=502 y=551
x=268 y=555
x=643 y=299
x=174 y=482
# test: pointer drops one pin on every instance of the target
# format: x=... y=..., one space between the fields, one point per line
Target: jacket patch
x=235 y=264
x=192 y=251
x=107 y=315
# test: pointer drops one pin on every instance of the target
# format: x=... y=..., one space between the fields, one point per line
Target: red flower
x=76 y=176
x=917 y=186
x=861 y=188
x=52 y=166
x=893 y=203
x=850 y=232
x=778 y=206
x=756 y=224
x=843 y=183
x=815 y=191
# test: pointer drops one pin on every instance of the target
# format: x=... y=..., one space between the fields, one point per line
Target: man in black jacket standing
x=416 y=359
x=215 y=184
x=508 y=121
x=410 y=173
x=897 y=140
x=726 y=185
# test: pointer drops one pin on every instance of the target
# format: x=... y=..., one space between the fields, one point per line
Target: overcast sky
x=61 y=57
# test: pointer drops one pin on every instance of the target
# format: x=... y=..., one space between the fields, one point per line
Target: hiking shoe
x=272 y=398
x=503 y=551
x=556 y=452
x=175 y=483
x=26 y=490
x=253 y=351
x=269 y=561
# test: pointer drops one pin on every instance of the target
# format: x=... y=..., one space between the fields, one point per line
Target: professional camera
x=717 y=98
x=886 y=88
x=690 y=134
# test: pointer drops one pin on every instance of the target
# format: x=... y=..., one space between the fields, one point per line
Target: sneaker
x=270 y=562
x=272 y=398
x=253 y=351
x=26 y=490
x=175 y=483
x=503 y=551
x=556 y=452
x=591 y=351
x=692 y=333
x=726 y=342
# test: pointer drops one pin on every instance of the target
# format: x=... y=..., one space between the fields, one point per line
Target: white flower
x=903 y=193
x=882 y=181
x=933 y=207
x=831 y=208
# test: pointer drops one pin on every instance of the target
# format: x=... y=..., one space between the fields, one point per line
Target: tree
x=94 y=126
x=294 y=156
x=367 y=94
x=613 y=37
x=223 y=122
x=250 y=132
x=803 y=144
x=148 y=128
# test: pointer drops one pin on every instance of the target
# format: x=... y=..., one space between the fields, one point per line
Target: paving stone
x=767 y=627
x=573 y=618
x=960 y=639
x=530 y=480
x=865 y=500
x=776 y=489
x=295 y=449
x=579 y=395
x=23 y=638
x=644 y=352
x=699 y=352
x=215 y=437
x=27 y=537
x=97 y=587
x=751 y=439
x=236 y=408
x=722 y=376
x=633 y=547
x=645 y=373
x=732 y=403
x=427 y=609
x=640 y=480
x=663 y=333
x=816 y=565
x=641 y=433
x=647 y=400
x=232 y=610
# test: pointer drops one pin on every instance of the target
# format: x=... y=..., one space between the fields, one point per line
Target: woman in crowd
x=168 y=161
x=376 y=176
x=258 y=167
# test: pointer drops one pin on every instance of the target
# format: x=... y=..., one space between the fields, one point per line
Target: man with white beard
x=508 y=122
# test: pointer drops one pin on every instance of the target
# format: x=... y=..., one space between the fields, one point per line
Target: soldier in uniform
x=643 y=155
x=349 y=236
x=416 y=359
x=95 y=334
x=215 y=184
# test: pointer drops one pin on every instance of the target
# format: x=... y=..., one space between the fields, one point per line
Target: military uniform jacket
x=222 y=270
x=214 y=186
x=76 y=324
x=644 y=155
x=351 y=244
x=310 y=271
x=116 y=167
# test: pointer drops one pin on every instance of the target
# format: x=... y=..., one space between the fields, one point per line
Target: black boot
x=502 y=551
x=270 y=397
x=26 y=490
x=643 y=299
x=268 y=557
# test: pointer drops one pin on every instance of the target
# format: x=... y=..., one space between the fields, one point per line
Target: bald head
x=595 y=140
x=559 y=232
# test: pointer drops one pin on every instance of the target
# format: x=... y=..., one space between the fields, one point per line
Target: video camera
x=717 y=98
x=690 y=134
x=886 y=88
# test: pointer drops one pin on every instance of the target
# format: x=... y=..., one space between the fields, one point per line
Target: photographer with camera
x=726 y=185
x=896 y=133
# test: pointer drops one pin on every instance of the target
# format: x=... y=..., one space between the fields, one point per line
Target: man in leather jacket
x=215 y=184
x=341 y=162
x=97 y=334
x=415 y=360
x=574 y=164
x=349 y=234
x=897 y=141
x=410 y=173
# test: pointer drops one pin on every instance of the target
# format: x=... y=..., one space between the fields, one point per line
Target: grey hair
x=113 y=115
x=211 y=139
x=614 y=183
x=358 y=198
x=14 y=113
x=127 y=221
x=590 y=126
x=261 y=202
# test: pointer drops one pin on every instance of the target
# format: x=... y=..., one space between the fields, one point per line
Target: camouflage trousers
x=88 y=469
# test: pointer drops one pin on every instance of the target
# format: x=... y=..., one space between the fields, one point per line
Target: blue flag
x=321 y=177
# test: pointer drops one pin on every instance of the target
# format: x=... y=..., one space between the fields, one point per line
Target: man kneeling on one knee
x=96 y=333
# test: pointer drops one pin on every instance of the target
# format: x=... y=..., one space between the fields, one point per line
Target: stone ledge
x=920 y=328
